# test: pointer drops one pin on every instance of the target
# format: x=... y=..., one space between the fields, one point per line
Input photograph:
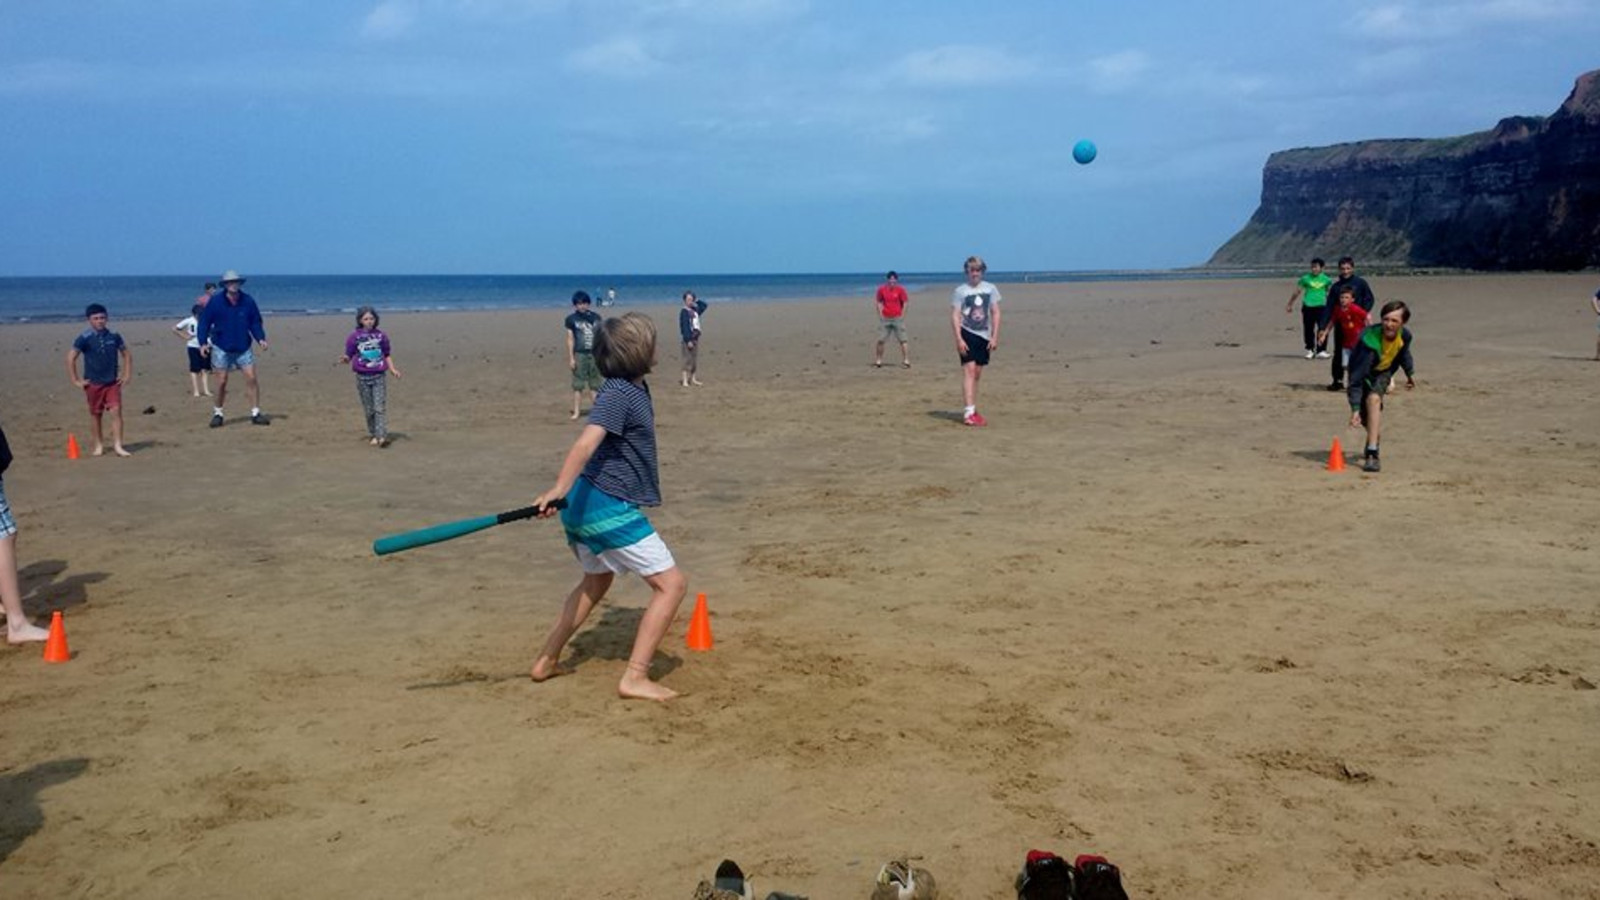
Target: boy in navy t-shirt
x=101 y=349
x=608 y=474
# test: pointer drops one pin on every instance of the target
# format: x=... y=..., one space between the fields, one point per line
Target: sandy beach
x=1134 y=616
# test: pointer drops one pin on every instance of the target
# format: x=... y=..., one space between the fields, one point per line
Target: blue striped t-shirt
x=624 y=465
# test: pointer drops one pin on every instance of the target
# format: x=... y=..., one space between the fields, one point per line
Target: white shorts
x=647 y=557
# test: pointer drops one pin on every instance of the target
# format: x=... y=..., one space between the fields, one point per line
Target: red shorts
x=103 y=397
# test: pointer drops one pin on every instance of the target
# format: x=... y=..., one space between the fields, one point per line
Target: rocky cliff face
x=1525 y=195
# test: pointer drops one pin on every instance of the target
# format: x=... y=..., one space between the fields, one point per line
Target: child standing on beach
x=1349 y=321
x=975 y=318
x=1383 y=349
x=101 y=350
x=367 y=352
x=18 y=629
x=581 y=325
x=1312 y=292
x=608 y=474
x=199 y=363
x=689 y=331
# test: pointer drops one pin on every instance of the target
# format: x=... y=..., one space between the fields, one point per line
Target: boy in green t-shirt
x=1312 y=292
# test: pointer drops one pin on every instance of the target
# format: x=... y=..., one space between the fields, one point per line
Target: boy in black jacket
x=1383 y=349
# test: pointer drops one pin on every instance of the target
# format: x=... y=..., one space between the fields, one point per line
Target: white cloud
x=624 y=56
x=960 y=65
x=1118 y=71
x=389 y=20
x=48 y=76
x=1423 y=21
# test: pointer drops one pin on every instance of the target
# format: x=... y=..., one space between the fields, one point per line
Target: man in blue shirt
x=228 y=326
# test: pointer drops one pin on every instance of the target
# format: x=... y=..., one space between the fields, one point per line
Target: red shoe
x=976 y=420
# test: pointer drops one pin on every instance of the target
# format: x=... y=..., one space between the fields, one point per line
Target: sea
x=61 y=299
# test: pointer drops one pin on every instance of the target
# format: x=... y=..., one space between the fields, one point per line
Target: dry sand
x=1134 y=616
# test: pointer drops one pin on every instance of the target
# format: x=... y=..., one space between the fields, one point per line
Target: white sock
x=216 y=410
x=255 y=410
x=970 y=410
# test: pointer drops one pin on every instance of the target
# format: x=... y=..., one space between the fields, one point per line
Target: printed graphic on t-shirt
x=975 y=307
x=370 y=349
x=582 y=327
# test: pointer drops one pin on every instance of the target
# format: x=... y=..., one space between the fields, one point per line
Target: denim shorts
x=222 y=360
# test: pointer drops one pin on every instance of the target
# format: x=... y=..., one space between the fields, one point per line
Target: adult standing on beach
x=892 y=302
x=1362 y=292
x=689 y=331
x=228 y=328
x=975 y=318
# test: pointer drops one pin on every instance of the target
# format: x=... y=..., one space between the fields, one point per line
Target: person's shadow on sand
x=44 y=590
x=21 y=817
x=612 y=638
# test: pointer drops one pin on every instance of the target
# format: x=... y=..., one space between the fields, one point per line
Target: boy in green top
x=1312 y=292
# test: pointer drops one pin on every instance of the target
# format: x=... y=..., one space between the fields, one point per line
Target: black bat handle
x=528 y=512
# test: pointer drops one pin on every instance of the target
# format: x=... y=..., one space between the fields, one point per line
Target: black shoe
x=1370 y=464
x=260 y=419
x=1336 y=386
x=216 y=420
x=1098 y=880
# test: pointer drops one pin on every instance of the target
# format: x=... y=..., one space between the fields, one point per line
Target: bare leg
x=194 y=384
x=252 y=388
x=1374 y=413
x=580 y=603
x=877 y=354
x=577 y=402
x=205 y=382
x=969 y=384
x=99 y=437
x=905 y=355
x=666 y=593
x=222 y=387
x=116 y=432
x=18 y=629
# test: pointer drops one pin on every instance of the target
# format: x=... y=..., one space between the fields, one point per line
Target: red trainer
x=975 y=420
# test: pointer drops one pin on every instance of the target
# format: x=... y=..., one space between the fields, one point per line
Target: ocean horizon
x=59 y=299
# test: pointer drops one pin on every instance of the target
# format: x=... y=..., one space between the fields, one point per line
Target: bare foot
x=574 y=417
x=98 y=451
x=208 y=394
x=373 y=441
x=26 y=633
x=696 y=382
x=545 y=668
x=120 y=451
x=197 y=394
x=638 y=687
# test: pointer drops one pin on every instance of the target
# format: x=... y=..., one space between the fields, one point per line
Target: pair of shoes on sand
x=1046 y=876
x=257 y=419
x=730 y=884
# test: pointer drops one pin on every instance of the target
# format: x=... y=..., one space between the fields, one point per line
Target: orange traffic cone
x=72 y=446
x=1336 y=457
x=55 y=648
x=700 y=625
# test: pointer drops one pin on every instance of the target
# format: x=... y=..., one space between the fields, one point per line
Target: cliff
x=1525 y=195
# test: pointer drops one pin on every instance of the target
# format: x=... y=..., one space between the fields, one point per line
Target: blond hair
x=625 y=346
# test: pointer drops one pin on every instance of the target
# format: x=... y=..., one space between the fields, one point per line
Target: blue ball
x=1084 y=152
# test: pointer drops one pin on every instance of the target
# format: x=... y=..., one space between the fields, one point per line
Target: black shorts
x=977 y=348
x=198 y=362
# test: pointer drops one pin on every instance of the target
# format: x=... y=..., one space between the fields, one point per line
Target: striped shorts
x=8 y=525
x=612 y=535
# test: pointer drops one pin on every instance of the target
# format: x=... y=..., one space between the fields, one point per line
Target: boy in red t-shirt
x=1351 y=320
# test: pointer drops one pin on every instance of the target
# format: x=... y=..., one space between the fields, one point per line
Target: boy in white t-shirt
x=975 y=319
x=199 y=363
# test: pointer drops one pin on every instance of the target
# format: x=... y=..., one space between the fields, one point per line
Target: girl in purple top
x=367 y=352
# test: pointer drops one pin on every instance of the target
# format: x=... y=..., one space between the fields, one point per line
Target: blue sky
x=629 y=136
